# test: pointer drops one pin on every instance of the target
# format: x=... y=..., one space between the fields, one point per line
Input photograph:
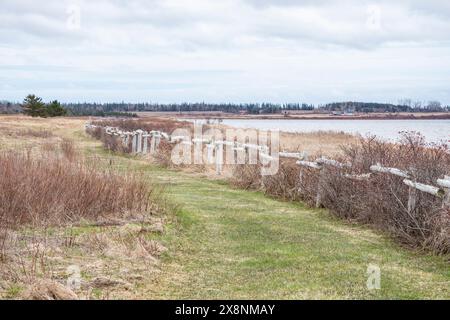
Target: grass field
x=239 y=244
x=228 y=243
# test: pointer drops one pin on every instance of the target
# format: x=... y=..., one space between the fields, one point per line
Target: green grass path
x=239 y=244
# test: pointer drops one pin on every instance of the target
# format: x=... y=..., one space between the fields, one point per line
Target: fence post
x=139 y=142
x=153 y=144
x=134 y=143
x=445 y=184
x=145 y=143
x=300 y=173
x=412 y=193
x=219 y=158
x=209 y=153
x=320 y=187
x=157 y=141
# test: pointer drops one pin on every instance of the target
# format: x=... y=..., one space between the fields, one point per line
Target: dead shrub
x=247 y=176
x=285 y=183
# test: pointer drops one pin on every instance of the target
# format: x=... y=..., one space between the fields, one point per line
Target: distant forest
x=129 y=109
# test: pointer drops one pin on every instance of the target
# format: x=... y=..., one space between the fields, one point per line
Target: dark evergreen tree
x=54 y=109
x=33 y=106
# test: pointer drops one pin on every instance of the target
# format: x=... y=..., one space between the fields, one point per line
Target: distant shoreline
x=297 y=116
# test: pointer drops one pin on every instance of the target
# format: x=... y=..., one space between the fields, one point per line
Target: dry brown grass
x=68 y=149
x=37 y=133
x=53 y=190
x=314 y=143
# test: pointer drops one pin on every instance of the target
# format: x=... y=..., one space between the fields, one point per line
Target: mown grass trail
x=242 y=245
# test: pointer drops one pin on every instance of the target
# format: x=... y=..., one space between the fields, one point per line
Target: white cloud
x=228 y=50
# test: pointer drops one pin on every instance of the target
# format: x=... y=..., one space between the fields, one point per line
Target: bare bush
x=247 y=176
x=285 y=183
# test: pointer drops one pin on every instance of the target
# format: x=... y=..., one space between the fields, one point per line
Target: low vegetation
x=60 y=209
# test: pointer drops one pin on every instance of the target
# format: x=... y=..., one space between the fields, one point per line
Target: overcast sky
x=225 y=50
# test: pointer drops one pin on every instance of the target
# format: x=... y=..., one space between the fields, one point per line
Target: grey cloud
x=257 y=42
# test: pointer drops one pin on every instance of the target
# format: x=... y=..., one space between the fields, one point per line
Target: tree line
x=33 y=106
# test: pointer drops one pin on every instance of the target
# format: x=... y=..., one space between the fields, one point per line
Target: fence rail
x=139 y=145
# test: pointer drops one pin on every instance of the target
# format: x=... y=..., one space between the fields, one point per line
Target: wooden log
x=444 y=183
x=310 y=164
x=266 y=157
x=295 y=155
x=334 y=163
x=438 y=192
x=175 y=139
x=394 y=171
x=253 y=146
x=358 y=177
x=165 y=136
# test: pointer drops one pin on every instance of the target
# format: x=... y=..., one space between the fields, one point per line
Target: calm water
x=433 y=130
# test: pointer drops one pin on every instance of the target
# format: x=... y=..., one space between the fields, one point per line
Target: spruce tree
x=54 y=109
x=33 y=106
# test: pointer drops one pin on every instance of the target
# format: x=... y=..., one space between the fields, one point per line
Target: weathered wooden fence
x=215 y=149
